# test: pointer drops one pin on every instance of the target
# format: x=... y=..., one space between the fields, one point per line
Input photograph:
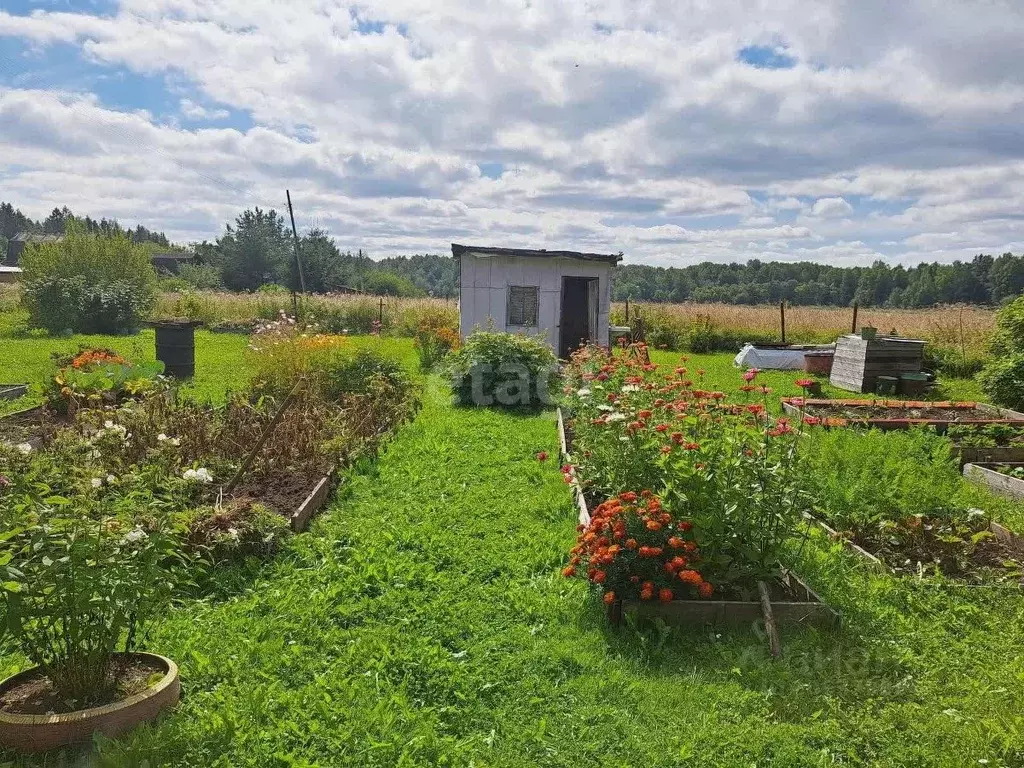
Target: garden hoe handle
x=263 y=438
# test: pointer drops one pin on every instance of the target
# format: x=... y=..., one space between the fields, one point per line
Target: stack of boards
x=859 y=362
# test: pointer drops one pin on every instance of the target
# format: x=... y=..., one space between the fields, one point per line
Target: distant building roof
x=458 y=250
x=32 y=237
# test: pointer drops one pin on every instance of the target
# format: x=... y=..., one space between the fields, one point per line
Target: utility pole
x=298 y=258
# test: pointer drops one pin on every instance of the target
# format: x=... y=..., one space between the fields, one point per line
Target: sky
x=836 y=131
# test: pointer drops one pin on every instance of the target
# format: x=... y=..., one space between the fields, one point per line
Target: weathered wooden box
x=1004 y=485
x=859 y=362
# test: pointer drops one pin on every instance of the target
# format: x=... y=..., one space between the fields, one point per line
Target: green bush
x=507 y=369
x=87 y=283
x=202 y=277
x=1003 y=380
x=1009 y=334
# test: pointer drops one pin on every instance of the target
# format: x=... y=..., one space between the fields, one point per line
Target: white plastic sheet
x=771 y=359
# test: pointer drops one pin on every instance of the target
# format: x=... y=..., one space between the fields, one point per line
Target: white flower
x=344 y=330
x=24 y=447
x=630 y=388
x=615 y=417
x=94 y=453
x=161 y=437
x=175 y=441
x=111 y=479
x=583 y=392
x=135 y=535
x=96 y=482
x=201 y=475
x=605 y=407
x=233 y=533
x=108 y=424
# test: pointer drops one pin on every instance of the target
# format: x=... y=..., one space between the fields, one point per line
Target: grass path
x=423 y=621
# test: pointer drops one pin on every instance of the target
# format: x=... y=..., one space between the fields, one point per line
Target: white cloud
x=194 y=111
x=618 y=126
x=831 y=207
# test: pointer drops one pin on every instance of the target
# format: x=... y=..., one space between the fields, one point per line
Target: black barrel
x=176 y=347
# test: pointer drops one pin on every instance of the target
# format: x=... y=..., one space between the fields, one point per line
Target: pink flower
x=750 y=374
x=804 y=383
x=542 y=455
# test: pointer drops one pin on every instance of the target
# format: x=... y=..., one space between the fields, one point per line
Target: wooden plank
x=563 y=447
x=1002 y=484
x=312 y=504
x=12 y=391
x=870 y=559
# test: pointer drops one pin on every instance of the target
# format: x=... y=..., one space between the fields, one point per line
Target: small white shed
x=566 y=295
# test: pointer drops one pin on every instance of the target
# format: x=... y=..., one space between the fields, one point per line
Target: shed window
x=522 y=304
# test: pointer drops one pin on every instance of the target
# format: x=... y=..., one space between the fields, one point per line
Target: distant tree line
x=983 y=280
x=257 y=249
x=13 y=222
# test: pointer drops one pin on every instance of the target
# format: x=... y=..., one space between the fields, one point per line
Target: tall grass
x=958 y=336
x=332 y=313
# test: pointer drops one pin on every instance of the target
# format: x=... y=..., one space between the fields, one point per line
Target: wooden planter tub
x=39 y=733
x=808 y=608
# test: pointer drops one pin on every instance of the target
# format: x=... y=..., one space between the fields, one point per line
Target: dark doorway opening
x=578 y=317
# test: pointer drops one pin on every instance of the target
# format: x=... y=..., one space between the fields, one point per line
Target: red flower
x=629 y=497
x=666 y=449
x=609 y=598
x=630 y=543
x=653 y=525
x=661 y=428
x=665 y=595
x=644 y=414
x=675 y=542
x=812 y=420
x=804 y=383
x=686 y=525
x=542 y=455
x=690 y=576
x=706 y=589
x=568 y=572
x=599 y=577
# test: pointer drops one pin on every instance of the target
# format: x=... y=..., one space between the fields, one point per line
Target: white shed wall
x=484 y=291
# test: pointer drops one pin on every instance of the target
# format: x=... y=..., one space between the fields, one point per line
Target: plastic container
x=886 y=385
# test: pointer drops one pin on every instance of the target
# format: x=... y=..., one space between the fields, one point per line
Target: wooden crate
x=859 y=362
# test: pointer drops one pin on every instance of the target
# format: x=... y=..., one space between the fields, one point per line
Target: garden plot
x=664 y=472
x=898 y=498
x=1006 y=479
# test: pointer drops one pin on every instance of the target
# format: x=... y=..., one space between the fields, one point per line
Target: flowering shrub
x=634 y=549
x=433 y=340
x=715 y=462
x=508 y=369
x=96 y=377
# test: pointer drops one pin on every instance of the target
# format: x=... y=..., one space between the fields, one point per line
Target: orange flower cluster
x=634 y=548
x=93 y=357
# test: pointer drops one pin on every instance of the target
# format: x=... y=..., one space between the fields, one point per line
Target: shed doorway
x=578 y=315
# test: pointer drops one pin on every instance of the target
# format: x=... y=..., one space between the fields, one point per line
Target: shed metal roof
x=458 y=250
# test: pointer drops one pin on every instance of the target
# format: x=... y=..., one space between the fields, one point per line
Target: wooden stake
x=627 y=309
x=774 y=645
x=263 y=438
x=853 y=327
x=782 y=315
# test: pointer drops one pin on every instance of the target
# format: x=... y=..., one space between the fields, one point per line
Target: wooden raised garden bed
x=792 y=601
x=1000 y=482
x=938 y=415
x=1006 y=539
x=12 y=391
x=25 y=426
x=902 y=414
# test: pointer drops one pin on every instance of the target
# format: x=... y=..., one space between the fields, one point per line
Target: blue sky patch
x=766 y=57
x=491 y=170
